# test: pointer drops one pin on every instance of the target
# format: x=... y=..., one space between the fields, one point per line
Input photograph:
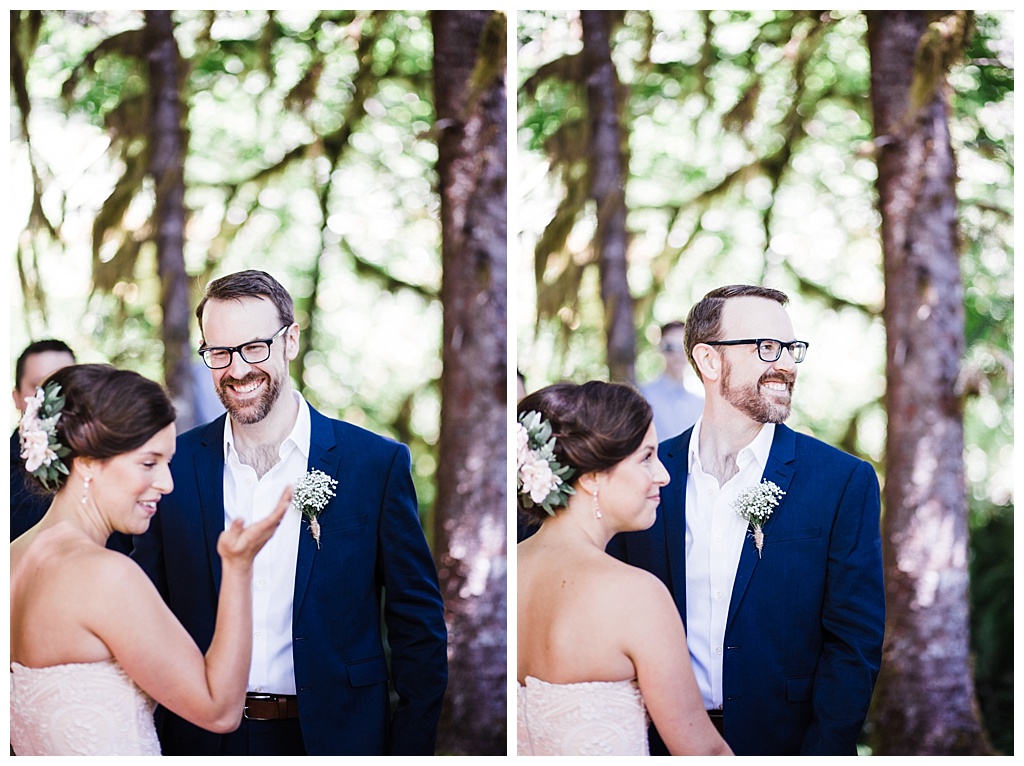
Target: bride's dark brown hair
x=596 y=425
x=107 y=411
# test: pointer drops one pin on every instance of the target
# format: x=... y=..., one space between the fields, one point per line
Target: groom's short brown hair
x=704 y=322
x=249 y=284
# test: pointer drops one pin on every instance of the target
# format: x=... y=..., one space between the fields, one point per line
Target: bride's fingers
x=270 y=523
x=241 y=540
x=259 y=532
x=233 y=531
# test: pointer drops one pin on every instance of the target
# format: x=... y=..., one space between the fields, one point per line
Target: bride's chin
x=644 y=522
x=135 y=527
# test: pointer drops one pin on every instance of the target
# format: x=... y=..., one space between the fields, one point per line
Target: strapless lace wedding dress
x=91 y=708
x=588 y=718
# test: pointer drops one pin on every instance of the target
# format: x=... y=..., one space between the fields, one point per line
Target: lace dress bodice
x=588 y=718
x=91 y=708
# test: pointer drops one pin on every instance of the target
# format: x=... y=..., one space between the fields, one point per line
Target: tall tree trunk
x=608 y=190
x=167 y=166
x=470 y=523
x=925 y=702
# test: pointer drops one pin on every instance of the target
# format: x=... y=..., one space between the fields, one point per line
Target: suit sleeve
x=413 y=614
x=853 y=620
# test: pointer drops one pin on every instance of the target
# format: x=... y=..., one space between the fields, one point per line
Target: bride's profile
x=93 y=646
x=601 y=645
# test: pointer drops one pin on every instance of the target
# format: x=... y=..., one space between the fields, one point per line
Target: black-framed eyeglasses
x=253 y=352
x=768 y=349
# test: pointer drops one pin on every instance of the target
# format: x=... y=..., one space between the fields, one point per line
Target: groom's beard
x=254 y=411
x=750 y=401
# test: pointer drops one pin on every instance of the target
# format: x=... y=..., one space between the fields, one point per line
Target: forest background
x=154 y=151
x=314 y=148
x=863 y=163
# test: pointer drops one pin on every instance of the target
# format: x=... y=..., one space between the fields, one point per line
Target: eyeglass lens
x=252 y=353
x=771 y=350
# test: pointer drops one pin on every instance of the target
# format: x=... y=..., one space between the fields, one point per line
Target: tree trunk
x=167 y=166
x=470 y=523
x=608 y=190
x=925 y=702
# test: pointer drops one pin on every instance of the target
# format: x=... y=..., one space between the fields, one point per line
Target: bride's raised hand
x=239 y=544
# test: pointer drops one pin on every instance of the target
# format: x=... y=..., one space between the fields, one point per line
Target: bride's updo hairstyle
x=596 y=425
x=107 y=411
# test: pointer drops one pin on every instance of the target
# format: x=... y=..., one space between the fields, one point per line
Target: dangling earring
x=597 y=509
x=85 y=492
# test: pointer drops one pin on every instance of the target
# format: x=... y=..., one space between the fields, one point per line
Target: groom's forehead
x=755 y=317
x=229 y=322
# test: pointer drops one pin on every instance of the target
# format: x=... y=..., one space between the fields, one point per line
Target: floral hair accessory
x=540 y=479
x=37 y=432
x=755 y=504
x=312 y=494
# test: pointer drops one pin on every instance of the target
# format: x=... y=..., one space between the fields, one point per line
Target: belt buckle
x=259 y=698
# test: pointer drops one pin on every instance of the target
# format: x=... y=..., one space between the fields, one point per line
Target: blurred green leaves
x=309 y=155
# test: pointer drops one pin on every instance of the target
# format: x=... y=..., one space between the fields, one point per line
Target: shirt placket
x=720 y=587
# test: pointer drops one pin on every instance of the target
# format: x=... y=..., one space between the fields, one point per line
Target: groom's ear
x=292 y=342
x=708 y=361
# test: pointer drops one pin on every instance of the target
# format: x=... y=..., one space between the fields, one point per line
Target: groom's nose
x=238 y=368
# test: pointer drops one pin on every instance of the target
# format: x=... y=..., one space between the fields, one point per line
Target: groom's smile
x=250 y=398
x=245 y=387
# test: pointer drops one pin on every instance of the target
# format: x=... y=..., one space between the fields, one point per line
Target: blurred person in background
x=676 y=405
x=37 y=362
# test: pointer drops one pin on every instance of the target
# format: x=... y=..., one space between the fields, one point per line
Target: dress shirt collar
x=756 y=451
x=299 y=436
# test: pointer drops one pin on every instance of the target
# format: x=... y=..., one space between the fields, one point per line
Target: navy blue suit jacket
x=371 y=543
x=803 y=637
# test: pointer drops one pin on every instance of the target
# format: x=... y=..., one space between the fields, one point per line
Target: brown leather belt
x=270 y=707
x=718 y=719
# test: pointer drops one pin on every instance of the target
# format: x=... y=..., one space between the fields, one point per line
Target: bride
x=600 y=643
x=93 y=647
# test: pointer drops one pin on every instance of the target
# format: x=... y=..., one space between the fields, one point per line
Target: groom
x=320 y=674
x=786 y=641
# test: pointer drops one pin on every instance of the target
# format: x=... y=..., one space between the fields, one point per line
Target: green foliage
x=992 y=620
x=309 y=155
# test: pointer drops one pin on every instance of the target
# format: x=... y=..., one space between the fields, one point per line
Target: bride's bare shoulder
x=636 y=589
x=62 y=554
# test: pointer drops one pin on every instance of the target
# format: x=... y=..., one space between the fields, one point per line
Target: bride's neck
x=579 y=523
x=67 y=508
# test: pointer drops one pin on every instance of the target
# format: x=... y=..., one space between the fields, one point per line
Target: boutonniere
x=312 y=494
x=755 y=504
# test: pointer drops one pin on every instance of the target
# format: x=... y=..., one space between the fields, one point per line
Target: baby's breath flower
x=755 y=504
x=311 y=496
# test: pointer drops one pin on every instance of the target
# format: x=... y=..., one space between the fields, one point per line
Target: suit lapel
x=323 y=456
x=673 y=514
x=209 y=469
x=780 y=469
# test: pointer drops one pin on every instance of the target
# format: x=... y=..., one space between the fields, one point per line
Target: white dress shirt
x=251 y=498
x=715 y=536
